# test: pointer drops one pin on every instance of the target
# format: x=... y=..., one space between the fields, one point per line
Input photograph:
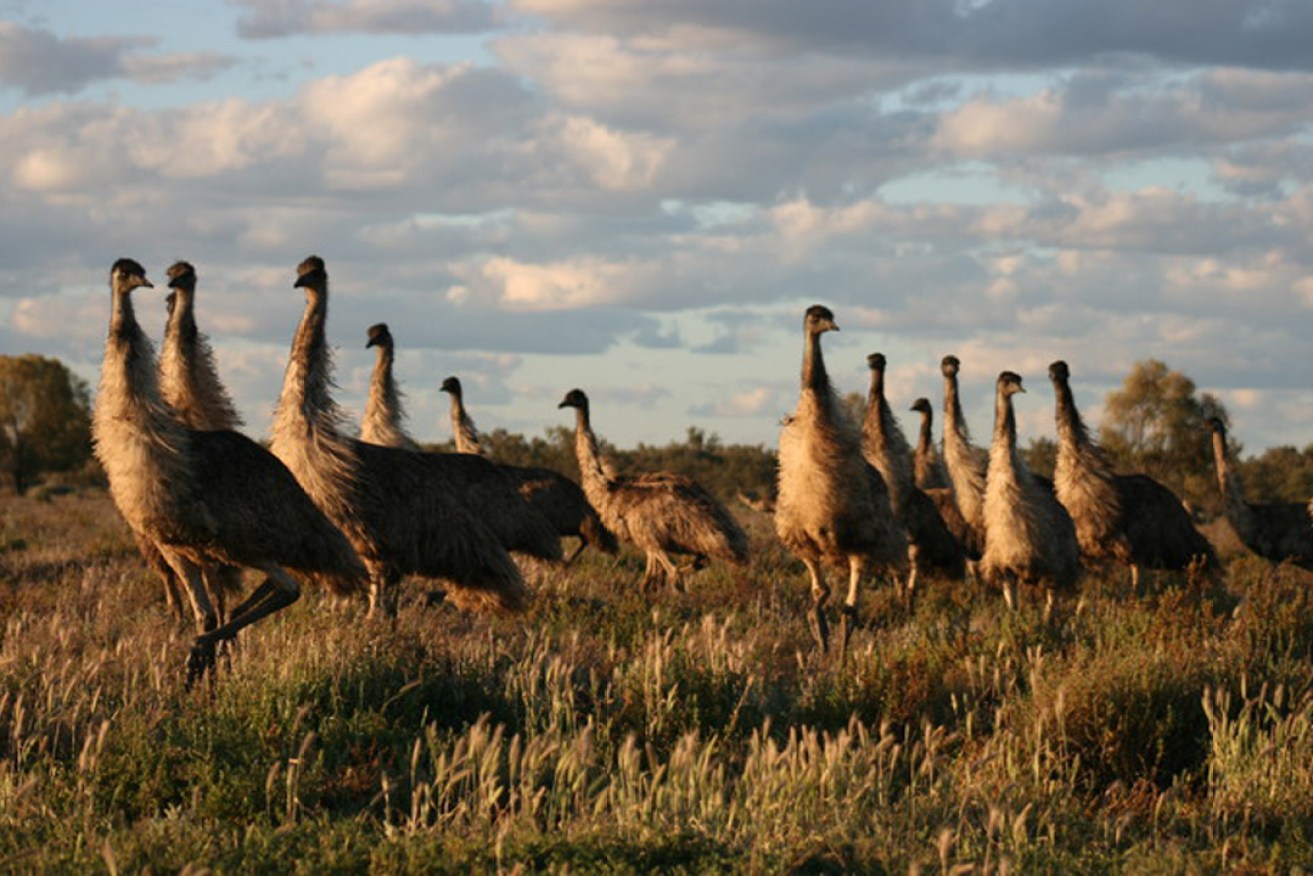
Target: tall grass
x=607 y=731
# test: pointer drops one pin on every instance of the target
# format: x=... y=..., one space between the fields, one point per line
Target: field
x=1164 y=731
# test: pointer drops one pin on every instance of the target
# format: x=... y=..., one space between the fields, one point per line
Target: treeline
x=1156 y=424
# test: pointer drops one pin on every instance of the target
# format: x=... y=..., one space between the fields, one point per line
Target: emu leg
x=577 y=551
x=190 y=574
x=671 y=573
x=277 y=591
x=820 y=628
x=856 y=569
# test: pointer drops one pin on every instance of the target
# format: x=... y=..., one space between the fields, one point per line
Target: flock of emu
x=203 y=501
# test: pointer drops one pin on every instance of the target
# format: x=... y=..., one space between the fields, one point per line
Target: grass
x=1168 y=731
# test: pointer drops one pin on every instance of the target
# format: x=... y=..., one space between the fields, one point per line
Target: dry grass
x=607 y=732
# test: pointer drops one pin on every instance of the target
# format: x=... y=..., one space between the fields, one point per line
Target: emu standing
x=1029 y=538
x=965 y=463
x=557 y=498
x=832 y=507
x=929 y=468
x=1130 y=519
x=205 y=497
x=931 y=545
x=658 y=512
x=405 y=512
x=384 y=411
x=1276 y=531
x=189 y=383
x=463 y=433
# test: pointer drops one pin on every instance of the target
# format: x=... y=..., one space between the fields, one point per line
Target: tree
x=1156 y=424
x=45 y=419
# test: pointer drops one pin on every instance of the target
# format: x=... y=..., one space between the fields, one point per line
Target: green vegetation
x=1166 y=731
x=45 y=419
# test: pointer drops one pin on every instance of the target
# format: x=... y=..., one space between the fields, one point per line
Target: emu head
x=922 y=406
x=181 y=275
x=379 y=336
x=451 y=385
x=311 y=273
x=950 y=365
x=126 y=275
x=819 y=319
x=1058 y=372
x=1009 y=383
x=575 y=398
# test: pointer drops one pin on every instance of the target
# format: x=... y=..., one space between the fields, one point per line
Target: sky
x=642 y=198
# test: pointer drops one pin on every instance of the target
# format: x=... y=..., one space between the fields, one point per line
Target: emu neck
x=1071 y=429
x=1005 y=423
x=876 y=406
x=306 y=383
x=181 y=327
x=814 y=375
x=955 y=427
x=1237 y=509
x=924 y=440
x=383 y=404
x=587 y=453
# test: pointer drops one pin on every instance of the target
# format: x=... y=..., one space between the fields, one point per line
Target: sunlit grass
x=1167 y=731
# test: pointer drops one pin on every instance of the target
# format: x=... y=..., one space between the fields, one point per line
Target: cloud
x=758 y=401
x=266 y=19
x=989 y=34
x=38 y=62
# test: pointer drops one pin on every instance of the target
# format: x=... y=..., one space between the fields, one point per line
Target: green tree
x=1157 y=424
x=45 y=419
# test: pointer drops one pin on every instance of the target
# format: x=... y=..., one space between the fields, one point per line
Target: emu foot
x=200 y=661
x=820 y=628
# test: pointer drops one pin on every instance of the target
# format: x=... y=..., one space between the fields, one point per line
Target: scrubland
x=1162 y=731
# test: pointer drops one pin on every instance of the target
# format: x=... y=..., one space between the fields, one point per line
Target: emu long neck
x=814 y=375
x=137 y=440
x=1005 y=423
x=189 y=380
x=591 y=471
x=885 y=444
x=462 y=427
x=384 y=411
x=955 y=427
x=1238 y=511
x=925 y=440
x=1071 y=429
x=306 y=402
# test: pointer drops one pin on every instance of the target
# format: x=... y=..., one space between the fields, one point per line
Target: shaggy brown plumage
x=1029 y=538
x=553 y=495
x=926 y=464
x=660 y=513
x=190 y=385
x=385 y=413
x=931 y=546
x=205 y=497
x=1128 y=519
x=1276 y=531
x=434 y=515
x=832 y=507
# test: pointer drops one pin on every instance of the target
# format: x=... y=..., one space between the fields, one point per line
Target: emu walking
x=553 y=495
x=205 y=497
x=1276 y=531
x=437 y=516
x=832 y=507
x=189 y=383
x=658 y=512
x=1129 y=519
x=931 y=545
x=1029 y=538
x=384 y=411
